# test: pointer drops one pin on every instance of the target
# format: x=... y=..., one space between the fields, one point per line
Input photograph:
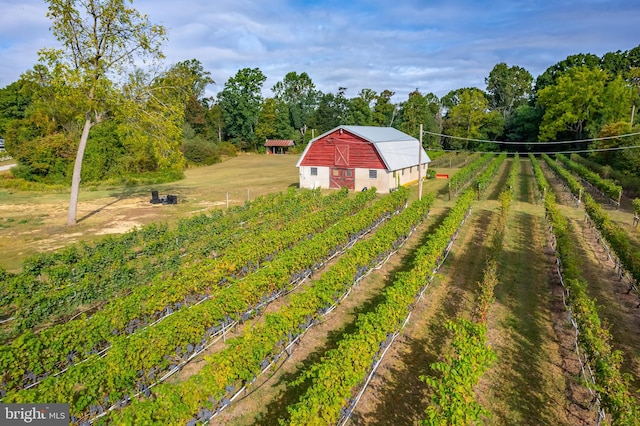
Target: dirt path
x=395 y=395
x=618 y=309
x=532 y=381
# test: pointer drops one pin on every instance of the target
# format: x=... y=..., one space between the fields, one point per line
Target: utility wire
x=619 y=148
x=530 y=143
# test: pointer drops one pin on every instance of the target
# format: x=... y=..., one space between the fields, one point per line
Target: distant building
x=362 y=157
x=278 y=146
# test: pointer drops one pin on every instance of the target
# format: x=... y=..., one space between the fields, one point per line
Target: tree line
x=137 y=121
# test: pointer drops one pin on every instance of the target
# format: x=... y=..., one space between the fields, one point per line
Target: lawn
x=32 y=222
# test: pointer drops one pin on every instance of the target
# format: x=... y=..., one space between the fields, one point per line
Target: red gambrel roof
x=278 y=142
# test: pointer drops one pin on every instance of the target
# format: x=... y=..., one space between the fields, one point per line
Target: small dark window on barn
x=349 y=173
x=373 y=174
x=314 y=171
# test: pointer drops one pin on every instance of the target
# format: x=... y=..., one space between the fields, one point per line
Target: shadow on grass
x=277 y=408
x=403 y=398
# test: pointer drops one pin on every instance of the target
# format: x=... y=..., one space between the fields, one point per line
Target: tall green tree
x=573 y=103
x=508 y=88
x=415 y=112
x=198 y=79
x=99 y=39
x=331 y=111
x=359 y=111
x=14 y=100
x=466 y=115
x=152 y=117
x=240 y=101
x=550 y=76
x=523 y=124
x=273 y=121
x=384 y=111
x=214 y=119
x=301 y=97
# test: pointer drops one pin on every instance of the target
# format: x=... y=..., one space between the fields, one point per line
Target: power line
x=619 y=148
x=531 y=143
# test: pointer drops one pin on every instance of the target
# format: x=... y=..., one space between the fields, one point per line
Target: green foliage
x=273 y=121
x=200 y=151
x=300 y=95
x=466 y=115
x=580 y=102
x=240 y=101
x=606 y=186
x=554 y=72
x=14 y=101
x=384 y=112
x=594 y=339
x=508 y=88
x=453 y=399
x=523 y=123
x=415 y=111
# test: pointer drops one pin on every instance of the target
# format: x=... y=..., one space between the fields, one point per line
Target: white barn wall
x=312 y=182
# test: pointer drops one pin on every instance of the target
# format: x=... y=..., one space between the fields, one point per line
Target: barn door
x=341 y=178
x=342 y=155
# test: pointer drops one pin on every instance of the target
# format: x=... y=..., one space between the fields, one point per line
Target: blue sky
x=401 y=45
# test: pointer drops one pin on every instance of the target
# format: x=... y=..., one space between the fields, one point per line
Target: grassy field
x=32 y=222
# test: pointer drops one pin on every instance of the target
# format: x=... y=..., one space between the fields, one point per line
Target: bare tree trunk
x=77 y=168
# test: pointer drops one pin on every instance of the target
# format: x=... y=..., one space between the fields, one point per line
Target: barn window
x=336 y=172
x=349 y=173
x=373 y=174
x=314 y=171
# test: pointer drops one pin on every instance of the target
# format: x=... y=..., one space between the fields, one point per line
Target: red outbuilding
x=360 y=157
x=278 y=146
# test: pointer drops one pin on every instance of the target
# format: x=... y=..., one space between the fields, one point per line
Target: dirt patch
x=33 y=222
x=533 y=380
x=617 y=306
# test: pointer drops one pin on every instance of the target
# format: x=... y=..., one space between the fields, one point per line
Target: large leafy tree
x=273 y=121
x=152 y=116
x=466 y=114
x=550 y=76
x=577 y=103
x=240 y=101
x=198 y=78
x=508 y=88
x=359 y=111
x=99 y=39
x=14 y=101
x=415 y=111
x=523 y=123
x=301 y=97
x=331 y=111
x=384 y=111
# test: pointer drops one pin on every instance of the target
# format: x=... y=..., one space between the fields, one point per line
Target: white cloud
x=400 y=46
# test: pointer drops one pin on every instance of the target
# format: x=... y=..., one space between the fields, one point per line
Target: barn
x=362 y=157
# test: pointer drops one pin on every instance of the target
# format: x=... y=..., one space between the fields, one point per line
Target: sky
x=401 y=45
